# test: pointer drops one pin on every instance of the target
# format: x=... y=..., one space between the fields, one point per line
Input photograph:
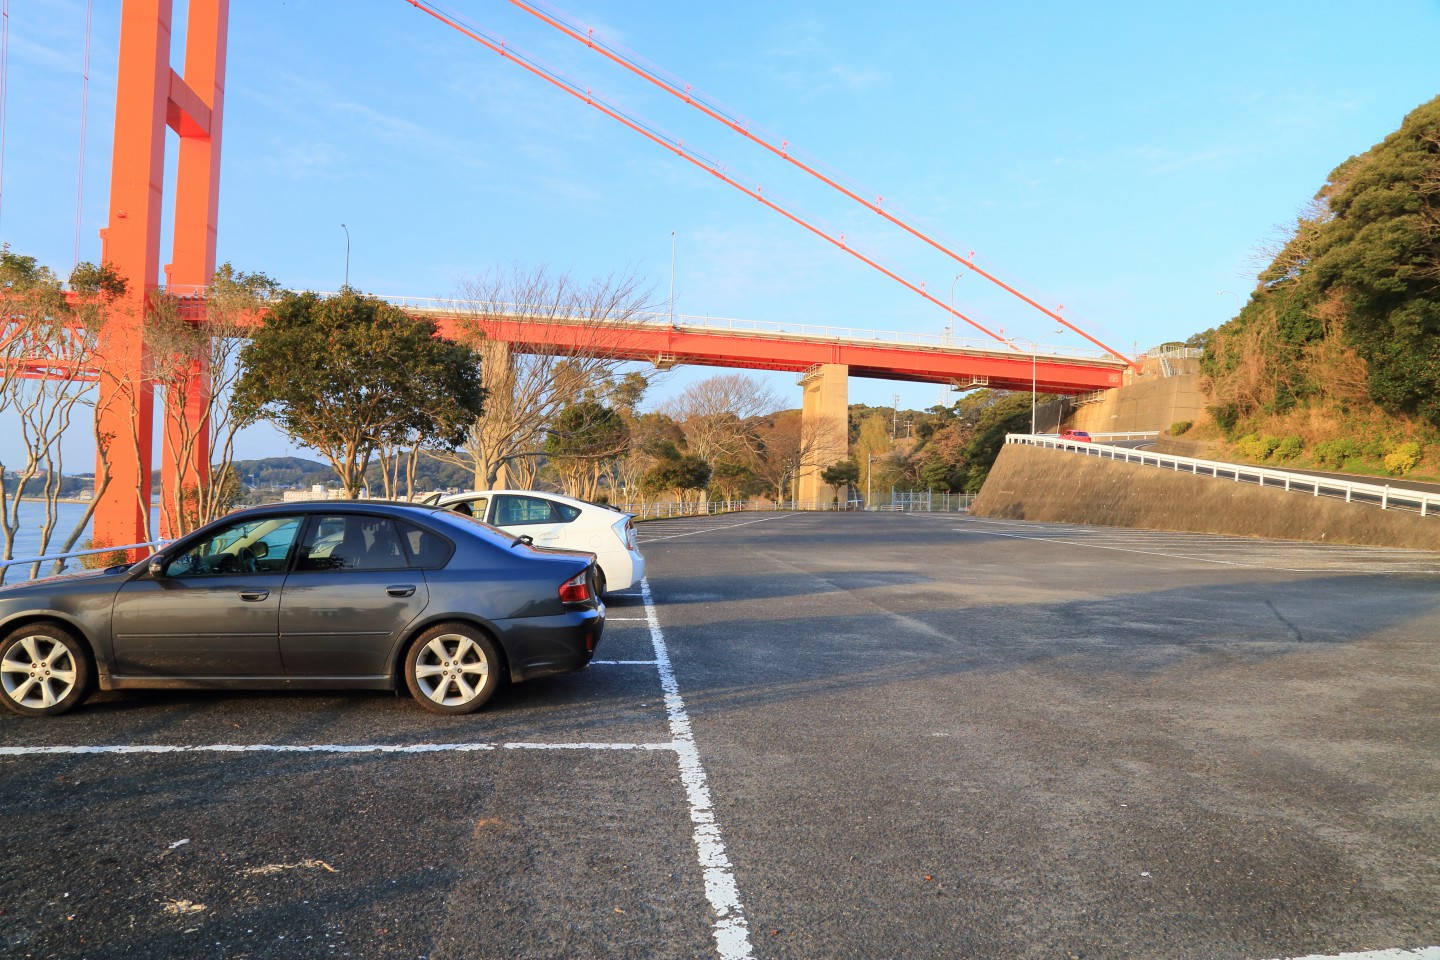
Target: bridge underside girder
x=1000 y=368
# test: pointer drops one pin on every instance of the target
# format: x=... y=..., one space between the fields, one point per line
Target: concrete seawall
x=1031 y=483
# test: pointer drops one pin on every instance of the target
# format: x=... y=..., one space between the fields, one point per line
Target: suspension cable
x=677 y=147
x=4 y=88
x=716 y=111
x=84 y=115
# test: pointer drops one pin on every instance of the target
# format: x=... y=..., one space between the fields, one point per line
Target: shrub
x=1402 y=458
x=1288 y=448
x=1181 y=426
x=1334 y=453
x=1226 y=416
x=99 y=561
x=1255 y=447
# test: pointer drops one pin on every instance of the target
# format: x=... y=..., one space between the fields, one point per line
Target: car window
x=512 y=510
x=474 y=507
x=566 y=512
x=428 y=550
x=352 y=541
x=250 y=546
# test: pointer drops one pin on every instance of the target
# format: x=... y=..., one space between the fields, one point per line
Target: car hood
x=64 y=580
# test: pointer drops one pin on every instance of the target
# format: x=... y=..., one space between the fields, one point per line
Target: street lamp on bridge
x=1034 y=360
x=347 y=256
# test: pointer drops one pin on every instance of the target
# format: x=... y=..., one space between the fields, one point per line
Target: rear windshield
x=473 y=525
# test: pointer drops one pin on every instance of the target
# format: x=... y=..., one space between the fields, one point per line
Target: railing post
x=1385 y=498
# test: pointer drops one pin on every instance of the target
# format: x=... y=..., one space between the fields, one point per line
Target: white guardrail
x=1384 y=496
x=58 y=559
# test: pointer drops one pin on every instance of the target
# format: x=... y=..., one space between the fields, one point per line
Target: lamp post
x=347 y=256
x=869 y=469
x=950 y=322
x=1238 y=304
x=1034 y=361
x=672 y=279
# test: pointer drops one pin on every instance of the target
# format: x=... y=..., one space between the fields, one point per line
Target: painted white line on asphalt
x=1419 y=953
x=727 y=526
x=326 y=748
x=732 y=933
x=1148 y=553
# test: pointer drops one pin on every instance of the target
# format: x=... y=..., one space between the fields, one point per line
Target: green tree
x=840 y=474
x=679 y=475
x=1008 y=413
x=585 y=438
x=350 y=374
x=1379 y=255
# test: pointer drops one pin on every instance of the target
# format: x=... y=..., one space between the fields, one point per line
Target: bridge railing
x=1384 y=496
x=737 y=325
x=57 y=561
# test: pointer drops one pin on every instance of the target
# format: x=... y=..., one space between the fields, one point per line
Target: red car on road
x=1080 y=435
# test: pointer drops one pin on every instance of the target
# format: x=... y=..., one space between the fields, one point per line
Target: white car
x=554 y=520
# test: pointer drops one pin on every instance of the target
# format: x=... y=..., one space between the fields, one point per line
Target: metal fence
x=59 y=561
x=1383 y=496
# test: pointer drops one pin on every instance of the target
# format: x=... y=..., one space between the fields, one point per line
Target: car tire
x=600 y=586
x=452 y=668
x=45 y=670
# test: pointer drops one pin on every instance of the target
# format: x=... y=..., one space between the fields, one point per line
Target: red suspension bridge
x=152 y=97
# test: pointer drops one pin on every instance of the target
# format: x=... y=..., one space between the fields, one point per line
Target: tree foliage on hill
x=351 y=374
x=1348 y=311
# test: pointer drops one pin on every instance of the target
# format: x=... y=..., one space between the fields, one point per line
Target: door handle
x=254 y=595
x=401 y=590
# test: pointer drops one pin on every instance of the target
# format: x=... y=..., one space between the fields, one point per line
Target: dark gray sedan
x=355 y=594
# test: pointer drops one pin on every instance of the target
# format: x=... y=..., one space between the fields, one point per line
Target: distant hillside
x=282 y=472
x=1335 y=360
x=287 y=473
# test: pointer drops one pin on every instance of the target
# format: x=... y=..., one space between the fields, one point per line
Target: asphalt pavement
x=828 y=736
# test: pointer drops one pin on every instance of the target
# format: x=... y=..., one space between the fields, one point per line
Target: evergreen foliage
x=1349 y=309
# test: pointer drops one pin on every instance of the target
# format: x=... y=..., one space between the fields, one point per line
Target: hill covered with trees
x=1335 y=360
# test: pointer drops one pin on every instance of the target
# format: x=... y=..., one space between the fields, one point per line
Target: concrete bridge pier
x=825 y=435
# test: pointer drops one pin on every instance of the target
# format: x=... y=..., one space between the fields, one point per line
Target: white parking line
x=711 y=529
x=732 y=933
x=326 y=748
x=1149 y=553
x=1419 y=953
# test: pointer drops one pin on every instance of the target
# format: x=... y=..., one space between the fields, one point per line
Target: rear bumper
x=541 y=646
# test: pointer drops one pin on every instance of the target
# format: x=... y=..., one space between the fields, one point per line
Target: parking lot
x=827 y=736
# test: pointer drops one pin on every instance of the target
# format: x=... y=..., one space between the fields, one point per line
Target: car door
x=213 y=610
x=349 y=599
x=534 y=516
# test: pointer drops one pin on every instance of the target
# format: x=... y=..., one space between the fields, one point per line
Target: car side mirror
x=157 y=566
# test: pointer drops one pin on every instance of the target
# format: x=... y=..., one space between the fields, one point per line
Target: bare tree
x=719 y=415
x=546 y=343
x=194 y=363
x=47 y=359
x=791 y=444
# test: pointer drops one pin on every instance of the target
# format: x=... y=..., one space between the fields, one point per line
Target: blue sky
x=1126 y=159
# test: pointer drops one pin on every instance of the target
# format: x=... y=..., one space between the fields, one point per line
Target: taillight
x=625 y=530
x=577 y=588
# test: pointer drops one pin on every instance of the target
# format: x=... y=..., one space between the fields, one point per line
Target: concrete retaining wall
x=1148 y=401
x=1031 y=483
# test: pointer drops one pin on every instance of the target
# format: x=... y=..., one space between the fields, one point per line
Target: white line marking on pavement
x=728 y=526
x=1419 y=953
x=328 y=748
x=732 y=933
x=1148 y=553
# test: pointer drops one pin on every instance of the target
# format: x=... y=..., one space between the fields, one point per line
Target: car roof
x=339 y=506
x=549 y=494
